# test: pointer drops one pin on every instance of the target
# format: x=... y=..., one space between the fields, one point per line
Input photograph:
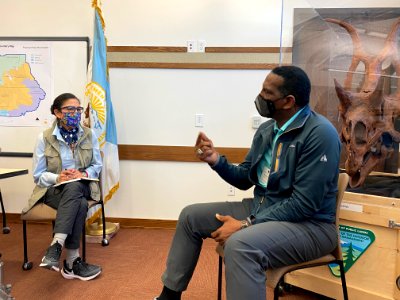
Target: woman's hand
x=68 y=175
x=75 y=174
x=64 y=176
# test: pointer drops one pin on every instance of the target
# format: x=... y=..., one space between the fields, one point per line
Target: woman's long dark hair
x=59 y=101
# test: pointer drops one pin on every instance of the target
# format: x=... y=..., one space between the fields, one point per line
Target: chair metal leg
x=84 y=243
x=25 y=241
x=278 y=288
x=6 y=229
x=276 y=292
x=105 y=241
x=104 y=219
x=219 y=297
x=27 y=265
x=342 y=276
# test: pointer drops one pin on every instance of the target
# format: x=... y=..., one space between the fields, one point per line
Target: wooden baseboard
x=143 y=223
x=124 y=222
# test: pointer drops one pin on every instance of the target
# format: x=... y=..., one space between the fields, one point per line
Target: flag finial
x=96 y=4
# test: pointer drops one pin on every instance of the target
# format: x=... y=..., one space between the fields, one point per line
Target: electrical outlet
x=255 y=122
x=199 y=120
x=191 y=46
x=231 y=190
x=201 y=46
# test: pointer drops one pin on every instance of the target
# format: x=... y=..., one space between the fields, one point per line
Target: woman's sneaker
x=80 y=270
x=52 y=257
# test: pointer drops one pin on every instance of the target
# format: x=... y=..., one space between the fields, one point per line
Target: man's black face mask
x=266 y=108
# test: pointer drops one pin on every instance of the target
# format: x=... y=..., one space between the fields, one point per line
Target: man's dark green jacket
x=302 y=184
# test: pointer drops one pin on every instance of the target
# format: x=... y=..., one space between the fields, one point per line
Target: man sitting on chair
x=293 y=164
x=63 y=152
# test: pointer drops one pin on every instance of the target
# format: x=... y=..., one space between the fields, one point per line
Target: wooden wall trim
x=160 y=65
x=174 y=153
x=143 y=223
x=176 y=57
x=207 y=50
x=13 y=218
x=245 y=49
x=145 y=49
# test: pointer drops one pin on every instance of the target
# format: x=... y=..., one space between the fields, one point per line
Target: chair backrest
x=342 y=185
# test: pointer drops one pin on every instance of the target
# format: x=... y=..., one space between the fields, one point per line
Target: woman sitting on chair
x=64 y=152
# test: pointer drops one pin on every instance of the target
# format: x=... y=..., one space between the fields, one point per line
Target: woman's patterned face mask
x=71 y=119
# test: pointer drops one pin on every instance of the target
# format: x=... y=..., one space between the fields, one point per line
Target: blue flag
x=101 y=112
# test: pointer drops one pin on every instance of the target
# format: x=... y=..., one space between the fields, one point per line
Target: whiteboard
x=70 y=57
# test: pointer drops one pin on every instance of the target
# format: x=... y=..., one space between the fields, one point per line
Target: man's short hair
x=295 y=82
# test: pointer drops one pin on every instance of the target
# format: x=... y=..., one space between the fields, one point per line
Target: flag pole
x=96 y=228
x=101 y=120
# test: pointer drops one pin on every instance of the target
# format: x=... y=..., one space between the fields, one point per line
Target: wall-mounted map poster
x=26 y=83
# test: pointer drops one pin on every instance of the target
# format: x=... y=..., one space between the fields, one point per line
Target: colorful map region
x=20 y=93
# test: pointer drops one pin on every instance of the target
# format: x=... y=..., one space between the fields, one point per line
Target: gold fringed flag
x=101 y=112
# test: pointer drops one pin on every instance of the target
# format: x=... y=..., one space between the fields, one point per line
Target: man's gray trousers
x=248 y=252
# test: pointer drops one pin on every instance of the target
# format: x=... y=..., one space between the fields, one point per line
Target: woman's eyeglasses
x=73 y=109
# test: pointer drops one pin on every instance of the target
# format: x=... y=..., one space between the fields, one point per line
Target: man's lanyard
x=263 y=170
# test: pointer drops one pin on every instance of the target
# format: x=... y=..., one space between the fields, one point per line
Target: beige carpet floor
x=132 y=265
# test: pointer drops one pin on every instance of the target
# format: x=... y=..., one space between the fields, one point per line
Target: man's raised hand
x=205 y=150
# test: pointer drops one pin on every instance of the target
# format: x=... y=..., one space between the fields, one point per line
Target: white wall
x=156 y=106
x=171 y=23
x=46 y=18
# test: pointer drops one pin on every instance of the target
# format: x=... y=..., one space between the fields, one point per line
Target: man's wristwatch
x=244 y=224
